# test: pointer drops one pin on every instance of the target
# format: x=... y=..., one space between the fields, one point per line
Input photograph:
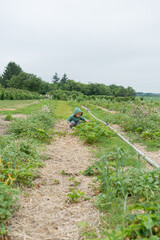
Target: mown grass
x=62 y=109
x=20 y=106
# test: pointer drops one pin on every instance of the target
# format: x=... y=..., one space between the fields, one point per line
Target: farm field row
x=125 y=185
x=125 y=192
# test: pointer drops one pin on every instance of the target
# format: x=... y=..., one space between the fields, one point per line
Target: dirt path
x=45 y=213
x=106 y=110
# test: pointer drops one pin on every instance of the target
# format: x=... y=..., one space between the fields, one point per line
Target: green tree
x=26 y=81
x=120 y=91
x=55 y=78
x=130 y=92
x=64 y=79
x=1 y=80
x=11 y=70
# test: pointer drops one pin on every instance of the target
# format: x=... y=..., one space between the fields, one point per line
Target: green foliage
x=14 y=77
x=66 y=84
x=27 y=81
x=92 y=132
x=74 y=182
x=140 y=183
x=8 y=117
x=75 y=196
x=12 y=69
x=135 y=183
x=8 y=205
x=89 y=171
x=141 y=186
x=19 y=159
x=35 y=126
x=142 y=225
x=141 y=120
x=55 y=78
x=87 y=231
x=17 y=94
x=18 y=163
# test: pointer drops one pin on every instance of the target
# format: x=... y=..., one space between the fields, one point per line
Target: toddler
x=75 y=118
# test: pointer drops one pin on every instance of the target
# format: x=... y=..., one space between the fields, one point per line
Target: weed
x=75 y=196
x=56 y=182
x=89 y=171
x=63 y=173
x=87 y=231
x=8 y=199
x=8 y=117
x=75 y=183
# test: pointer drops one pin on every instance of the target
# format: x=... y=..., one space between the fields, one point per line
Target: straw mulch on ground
x=45 y=213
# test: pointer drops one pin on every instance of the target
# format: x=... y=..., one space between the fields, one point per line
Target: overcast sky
x=104 y=41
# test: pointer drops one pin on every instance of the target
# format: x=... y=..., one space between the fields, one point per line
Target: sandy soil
x=106 y=110
x=45 y=213
x=7 y=109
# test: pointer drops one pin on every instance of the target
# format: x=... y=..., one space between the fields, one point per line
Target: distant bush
x=17 y=94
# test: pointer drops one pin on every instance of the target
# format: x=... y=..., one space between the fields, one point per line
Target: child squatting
x=76 y=118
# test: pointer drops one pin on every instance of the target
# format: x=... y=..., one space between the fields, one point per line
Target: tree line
x=14 y=77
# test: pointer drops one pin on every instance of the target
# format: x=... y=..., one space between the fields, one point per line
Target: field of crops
x=126 y=189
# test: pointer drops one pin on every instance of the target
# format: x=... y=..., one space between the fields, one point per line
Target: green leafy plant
x=89 y=171
x=87 y=231
x=56 y=181
x=75 y=196
x=92 y=132
x=8 y=117
x=8 y=205
x=75 y=183
x=63 y=173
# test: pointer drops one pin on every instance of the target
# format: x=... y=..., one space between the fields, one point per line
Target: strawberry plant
x=8 y=199
x=75 y=196
x=92 y=132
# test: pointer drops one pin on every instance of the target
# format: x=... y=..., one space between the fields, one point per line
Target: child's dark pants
x=74 y=123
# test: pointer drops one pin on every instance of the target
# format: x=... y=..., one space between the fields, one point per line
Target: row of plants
x=129 y=199
x=20 y=159
x=128 y=196
x=18 y=94
x=64 y=95
x=136 y=117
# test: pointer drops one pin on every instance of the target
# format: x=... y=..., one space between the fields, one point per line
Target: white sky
x=105 y=41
